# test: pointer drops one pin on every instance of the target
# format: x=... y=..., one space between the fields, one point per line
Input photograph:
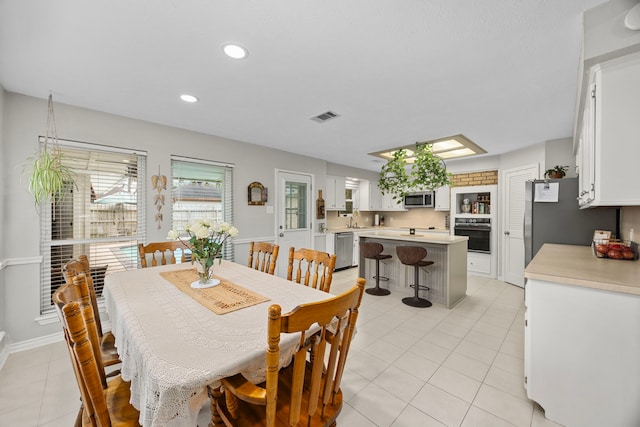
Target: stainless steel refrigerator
x=562 y=221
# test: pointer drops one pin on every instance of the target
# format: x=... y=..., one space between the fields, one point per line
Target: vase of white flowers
x=206 y=239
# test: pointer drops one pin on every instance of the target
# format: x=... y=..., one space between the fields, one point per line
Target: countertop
x=420 y=236
x=360 y=230
x=577 y=265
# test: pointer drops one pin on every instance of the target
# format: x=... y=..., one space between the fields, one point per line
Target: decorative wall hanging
x=257 y=194
x=320 y=206
x=159 y=183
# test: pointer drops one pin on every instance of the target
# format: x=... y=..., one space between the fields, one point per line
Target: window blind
x=202 y=190
x=102 y=215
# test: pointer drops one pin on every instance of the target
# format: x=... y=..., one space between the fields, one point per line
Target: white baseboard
x=36 y=342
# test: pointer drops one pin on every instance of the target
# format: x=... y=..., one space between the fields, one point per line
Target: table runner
x=221 y=299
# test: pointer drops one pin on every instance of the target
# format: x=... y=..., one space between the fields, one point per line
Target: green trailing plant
x=393 y=176
x=428 y=172
x=557 y=171
x=49 y=174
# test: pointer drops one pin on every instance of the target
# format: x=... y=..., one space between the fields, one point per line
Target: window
x=202 y=190
x=102 y=216
x=295 y=211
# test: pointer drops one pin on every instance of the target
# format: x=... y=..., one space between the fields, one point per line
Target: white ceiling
x=502 y=72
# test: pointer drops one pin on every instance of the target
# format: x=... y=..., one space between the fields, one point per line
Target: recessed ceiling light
x=235 y=51
x=189 y=98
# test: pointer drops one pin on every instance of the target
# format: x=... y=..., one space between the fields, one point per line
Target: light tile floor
x=407 y=367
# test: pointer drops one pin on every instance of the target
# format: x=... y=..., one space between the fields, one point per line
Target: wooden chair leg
x=214 y=395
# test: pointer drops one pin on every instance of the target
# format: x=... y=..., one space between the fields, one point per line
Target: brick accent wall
x=475 y=178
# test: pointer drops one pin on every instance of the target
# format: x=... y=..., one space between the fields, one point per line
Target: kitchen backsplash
x=630 y=219
x=417 y=218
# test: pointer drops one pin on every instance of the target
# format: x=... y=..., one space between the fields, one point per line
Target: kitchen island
x=446 y=278
x=582 y=337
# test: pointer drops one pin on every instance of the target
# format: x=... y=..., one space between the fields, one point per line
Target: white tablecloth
x=171 y=347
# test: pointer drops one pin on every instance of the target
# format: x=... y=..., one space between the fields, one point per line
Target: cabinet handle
x=507 y=233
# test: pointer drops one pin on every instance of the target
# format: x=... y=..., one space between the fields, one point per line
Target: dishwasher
x=344 y=249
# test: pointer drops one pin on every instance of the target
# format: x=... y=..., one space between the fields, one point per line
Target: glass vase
x=205 y=270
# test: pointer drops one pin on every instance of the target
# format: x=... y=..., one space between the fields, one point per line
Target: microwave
x=423 y=199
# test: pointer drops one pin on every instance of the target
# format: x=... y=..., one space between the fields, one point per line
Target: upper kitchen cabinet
x=391 y=204
x=608 y=150
x=335 y=198
x=370 y=197
x=443 y=198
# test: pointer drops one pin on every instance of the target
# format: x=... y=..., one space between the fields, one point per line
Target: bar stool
x=414 y=255
x=372 y=250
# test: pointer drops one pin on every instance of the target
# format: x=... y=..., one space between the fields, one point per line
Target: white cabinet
x=479 y=263
x=608 y=149
x=335 y=197
x=391 y=204
x=443 y=198
x=369 y=195
x=582 y=349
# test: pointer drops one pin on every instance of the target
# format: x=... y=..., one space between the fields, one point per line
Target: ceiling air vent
x=321 y=118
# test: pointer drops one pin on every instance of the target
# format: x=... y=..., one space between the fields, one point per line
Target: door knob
x=281 y=234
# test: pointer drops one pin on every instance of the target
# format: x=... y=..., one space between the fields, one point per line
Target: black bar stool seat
x=414 y=256
x=371 y=250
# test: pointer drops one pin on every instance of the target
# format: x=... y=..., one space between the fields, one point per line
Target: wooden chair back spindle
x=263 y=256
x=311 y=268
x=166 y=252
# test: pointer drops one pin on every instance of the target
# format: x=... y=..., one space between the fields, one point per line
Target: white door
x=294 y=222
x=513 y=223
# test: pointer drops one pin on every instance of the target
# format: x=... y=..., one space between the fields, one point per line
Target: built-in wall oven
x=478 y=230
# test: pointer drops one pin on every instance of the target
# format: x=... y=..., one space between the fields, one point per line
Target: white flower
x=233 y=232
x=201 y=232
x=173 y=235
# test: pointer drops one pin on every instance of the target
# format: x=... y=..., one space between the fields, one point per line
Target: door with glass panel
x=294 y=219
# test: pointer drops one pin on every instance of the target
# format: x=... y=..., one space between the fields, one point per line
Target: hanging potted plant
x=394 y=179
x=428 y=172
x=49 y=174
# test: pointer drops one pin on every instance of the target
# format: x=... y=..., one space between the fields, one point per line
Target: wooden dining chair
x=107 y=341
x=164 y=250
x=103 y=403
x=263 y=256
x=307 y=392
x=311 y=268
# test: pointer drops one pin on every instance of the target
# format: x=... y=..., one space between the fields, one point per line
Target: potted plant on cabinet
x=428 y=172
x=556 y=172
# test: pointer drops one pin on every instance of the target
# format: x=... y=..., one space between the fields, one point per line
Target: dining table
x=174 y=343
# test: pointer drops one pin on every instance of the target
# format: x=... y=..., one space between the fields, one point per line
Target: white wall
x=559 y=152
x=473 y=164
x=24 y=120
x=3 y=204
x=605 y=35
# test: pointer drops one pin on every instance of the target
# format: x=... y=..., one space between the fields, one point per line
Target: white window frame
x=46 y=226
x=226 y=194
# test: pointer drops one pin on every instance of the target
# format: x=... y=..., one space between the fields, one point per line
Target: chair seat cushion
x=424 y=263
x=380 y=257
